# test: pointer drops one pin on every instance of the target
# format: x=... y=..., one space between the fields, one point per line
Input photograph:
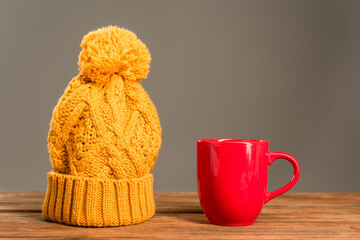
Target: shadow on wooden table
x=198 y=218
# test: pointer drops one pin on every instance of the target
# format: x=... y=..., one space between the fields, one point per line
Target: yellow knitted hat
x=104 y=137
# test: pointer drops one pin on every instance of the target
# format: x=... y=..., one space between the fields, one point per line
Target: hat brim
x=95 y=202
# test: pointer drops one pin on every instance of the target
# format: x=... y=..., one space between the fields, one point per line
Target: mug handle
x=272 y=156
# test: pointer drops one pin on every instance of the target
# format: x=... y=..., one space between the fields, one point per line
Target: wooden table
x=179 y=216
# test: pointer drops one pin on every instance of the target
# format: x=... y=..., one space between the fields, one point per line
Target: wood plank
x=21 y=201
x=179 y=215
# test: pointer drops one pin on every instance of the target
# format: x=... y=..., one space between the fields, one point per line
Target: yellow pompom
x=112 y=50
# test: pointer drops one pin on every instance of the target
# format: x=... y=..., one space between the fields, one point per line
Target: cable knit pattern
x=104 y=137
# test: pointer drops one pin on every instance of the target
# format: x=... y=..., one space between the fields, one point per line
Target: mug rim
x=232 y=140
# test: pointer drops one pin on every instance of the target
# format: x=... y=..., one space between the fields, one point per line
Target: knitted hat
x=104 y=137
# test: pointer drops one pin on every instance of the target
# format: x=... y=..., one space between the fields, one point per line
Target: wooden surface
x=179 y=216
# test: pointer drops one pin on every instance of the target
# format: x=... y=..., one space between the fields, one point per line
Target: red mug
x=232 y=179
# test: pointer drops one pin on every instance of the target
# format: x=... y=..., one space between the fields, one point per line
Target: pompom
x=112 y=50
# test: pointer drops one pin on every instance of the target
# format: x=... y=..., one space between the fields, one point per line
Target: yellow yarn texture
x=104 y=137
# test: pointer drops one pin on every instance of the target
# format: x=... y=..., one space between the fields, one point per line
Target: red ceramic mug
x=232 y=179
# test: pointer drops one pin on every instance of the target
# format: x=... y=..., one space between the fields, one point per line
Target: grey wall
x=286 y=71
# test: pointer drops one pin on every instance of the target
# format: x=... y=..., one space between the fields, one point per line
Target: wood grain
x=179 y=216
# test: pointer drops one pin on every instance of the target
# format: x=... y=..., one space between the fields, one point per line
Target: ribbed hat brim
x=95 y=202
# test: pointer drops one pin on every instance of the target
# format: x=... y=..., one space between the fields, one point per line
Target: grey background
x=285 y=71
